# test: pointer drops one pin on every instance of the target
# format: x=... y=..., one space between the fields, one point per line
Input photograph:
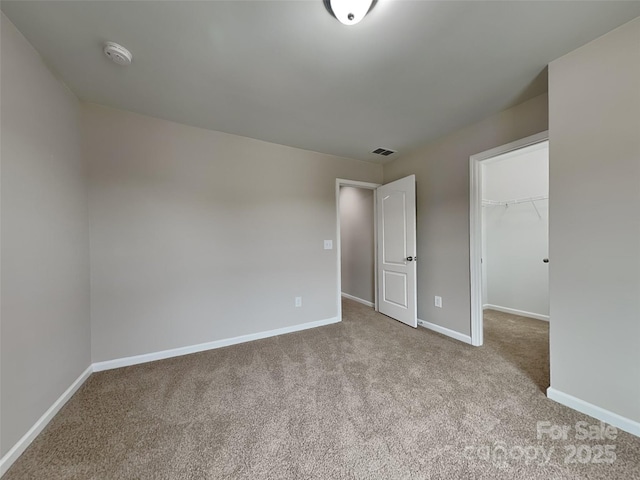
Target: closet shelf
x=532 y=200
x=496 y=203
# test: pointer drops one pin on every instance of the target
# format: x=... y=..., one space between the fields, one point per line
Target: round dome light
x=350 y=12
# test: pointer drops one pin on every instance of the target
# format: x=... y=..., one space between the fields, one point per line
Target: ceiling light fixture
x=349 y=12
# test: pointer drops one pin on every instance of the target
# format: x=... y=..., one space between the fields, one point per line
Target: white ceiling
x=287 y=72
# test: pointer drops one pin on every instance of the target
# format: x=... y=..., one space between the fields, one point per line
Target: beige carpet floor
x=368 y=398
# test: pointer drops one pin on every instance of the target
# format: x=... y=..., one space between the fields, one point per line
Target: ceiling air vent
x=383 y=151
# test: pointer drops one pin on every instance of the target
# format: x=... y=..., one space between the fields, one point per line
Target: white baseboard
x=22 y=444
x=445 y=331
x=594 y=411
x=359 y=300
x=176 y=352
x=513 y=311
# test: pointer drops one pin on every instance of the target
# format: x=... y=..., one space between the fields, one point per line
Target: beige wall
x=45 y=337
x=199 y=236
x=357 y=242
x=594 y=122
x=442 y=183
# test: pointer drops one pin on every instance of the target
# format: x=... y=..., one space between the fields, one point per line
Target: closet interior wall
x=515 y=231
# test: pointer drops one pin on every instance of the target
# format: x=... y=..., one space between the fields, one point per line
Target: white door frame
x=341 y=182
x=475 y=225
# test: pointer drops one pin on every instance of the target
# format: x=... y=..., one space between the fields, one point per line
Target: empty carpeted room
x=186 y=291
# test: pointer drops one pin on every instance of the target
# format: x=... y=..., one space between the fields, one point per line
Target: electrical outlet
x=438 y=301
x=328 y=244
x=298 y=301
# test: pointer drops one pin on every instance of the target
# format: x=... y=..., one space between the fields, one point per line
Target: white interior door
x=396 y=212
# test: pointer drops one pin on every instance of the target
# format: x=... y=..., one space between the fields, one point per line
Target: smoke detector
x=117 y=53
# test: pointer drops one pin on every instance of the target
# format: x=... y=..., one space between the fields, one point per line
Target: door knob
x=545 y=260
x=410 y=259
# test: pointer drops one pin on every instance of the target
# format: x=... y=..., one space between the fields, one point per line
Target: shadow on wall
x=537 y=86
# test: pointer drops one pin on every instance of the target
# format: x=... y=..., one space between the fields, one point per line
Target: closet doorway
x=357 y=242
x=509 y=232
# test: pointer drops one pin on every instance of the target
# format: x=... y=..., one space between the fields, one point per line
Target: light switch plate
x=328 y=244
